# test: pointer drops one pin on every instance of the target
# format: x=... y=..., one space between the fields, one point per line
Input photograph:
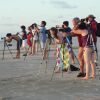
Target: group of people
x=32 y=39
x=84 y=29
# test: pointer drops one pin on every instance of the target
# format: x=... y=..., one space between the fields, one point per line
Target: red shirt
x=29 y=36
x=93 y=26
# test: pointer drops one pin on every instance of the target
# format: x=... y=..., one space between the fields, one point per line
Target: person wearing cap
x=76 y=22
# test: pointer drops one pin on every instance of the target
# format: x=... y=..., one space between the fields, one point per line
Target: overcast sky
x=14 y=13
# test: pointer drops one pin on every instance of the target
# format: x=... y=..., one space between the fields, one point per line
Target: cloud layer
x=62 y=4
x=58 y=4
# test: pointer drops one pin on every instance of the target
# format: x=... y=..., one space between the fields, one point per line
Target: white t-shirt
x=20 y=34
x=35 y=35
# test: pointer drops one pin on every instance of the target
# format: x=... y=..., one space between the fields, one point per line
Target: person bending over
x=10 y=37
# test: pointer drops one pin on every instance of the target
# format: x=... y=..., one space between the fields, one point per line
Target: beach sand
x=27 y=80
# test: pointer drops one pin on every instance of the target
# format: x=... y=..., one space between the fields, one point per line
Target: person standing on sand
x=58 y=42
x=93 y=28
x=67 y=30
x=23 y=34
x=75 y=22
x=87 y=45
x=43 y=38
x=35 y=32
x=10 y=37
x=29 y=42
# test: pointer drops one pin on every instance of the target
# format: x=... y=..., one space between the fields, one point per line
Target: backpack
x=98 y=30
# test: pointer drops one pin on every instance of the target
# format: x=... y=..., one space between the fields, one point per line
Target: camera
x=48 y=33
x=61 y=30
x=84 y=20
x=2 y=38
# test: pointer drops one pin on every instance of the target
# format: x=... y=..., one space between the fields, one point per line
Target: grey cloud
x=62 y=4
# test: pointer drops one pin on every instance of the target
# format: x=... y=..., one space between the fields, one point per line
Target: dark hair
x=23 y=27
x=34 y=25
x=44 y=23
x=29 y=28
x=55 y=30
x=82 y=26
x=8 y=35
x=66 y=23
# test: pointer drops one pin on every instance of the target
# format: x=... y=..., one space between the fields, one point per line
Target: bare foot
x=16 y=58
x=73 y=62
x=92 y=76
x=85 y=78
x=57 y=70
x=32 y=54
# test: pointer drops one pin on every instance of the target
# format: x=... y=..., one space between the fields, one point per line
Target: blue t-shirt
x=43 y=36
x=68 y=30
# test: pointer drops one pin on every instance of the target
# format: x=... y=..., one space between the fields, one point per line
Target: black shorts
x=19 y=44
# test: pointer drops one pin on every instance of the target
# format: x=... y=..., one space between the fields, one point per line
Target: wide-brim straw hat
x=91 y=16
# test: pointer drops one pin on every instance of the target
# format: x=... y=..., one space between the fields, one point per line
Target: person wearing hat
x=93 y=27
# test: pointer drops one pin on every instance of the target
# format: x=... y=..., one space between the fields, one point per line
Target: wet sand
x=30 y=80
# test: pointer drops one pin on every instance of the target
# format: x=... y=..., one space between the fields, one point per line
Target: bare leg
x=33 y=48
x=37 y=46
x=87 y=59
x=57 y=70
x=81 y=60
x=92 y=66
x=18 y=54
x=72 y=57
